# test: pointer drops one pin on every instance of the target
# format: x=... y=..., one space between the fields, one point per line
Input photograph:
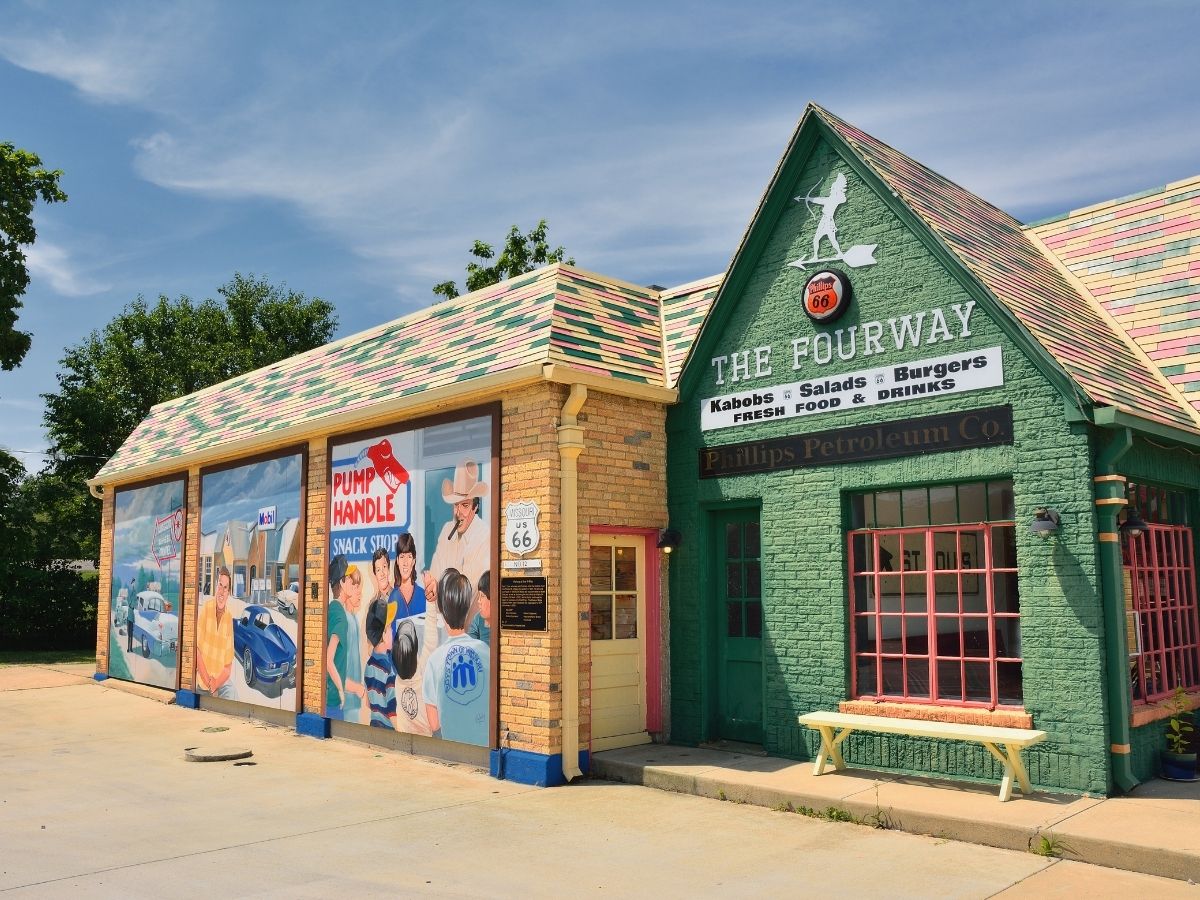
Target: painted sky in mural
x=148 y=527
x=246 y=625
x=409 y=616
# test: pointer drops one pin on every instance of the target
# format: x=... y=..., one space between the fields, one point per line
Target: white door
x=618 y=617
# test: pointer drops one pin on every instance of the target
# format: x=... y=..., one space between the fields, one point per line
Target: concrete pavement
x=96 y=797
x=1155 y=830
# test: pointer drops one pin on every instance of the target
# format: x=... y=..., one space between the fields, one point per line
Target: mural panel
x=147 y=540
x=408 y=634
x=249 y=567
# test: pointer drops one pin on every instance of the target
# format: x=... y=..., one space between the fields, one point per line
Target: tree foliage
x=22 y=182
x=522 y=253
x=151 y=353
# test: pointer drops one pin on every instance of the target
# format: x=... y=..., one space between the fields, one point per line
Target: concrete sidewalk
x=1156 y=830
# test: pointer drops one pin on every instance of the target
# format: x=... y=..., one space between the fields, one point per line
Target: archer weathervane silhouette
x=855 y=257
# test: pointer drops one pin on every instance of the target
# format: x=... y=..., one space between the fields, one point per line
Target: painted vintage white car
x=155 y=624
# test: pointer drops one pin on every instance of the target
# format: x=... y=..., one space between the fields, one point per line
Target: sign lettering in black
x=930 y=434
x=523 y=604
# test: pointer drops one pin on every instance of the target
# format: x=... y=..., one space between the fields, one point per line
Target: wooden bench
x=1005 y=744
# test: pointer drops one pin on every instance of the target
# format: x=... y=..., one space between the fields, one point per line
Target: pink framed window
x=1160 y=596
x=935 y=608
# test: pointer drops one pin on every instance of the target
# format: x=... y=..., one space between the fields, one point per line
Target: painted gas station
x=909 y=487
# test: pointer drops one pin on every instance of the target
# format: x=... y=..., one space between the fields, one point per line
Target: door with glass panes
x=738 y=621
x=618 y=616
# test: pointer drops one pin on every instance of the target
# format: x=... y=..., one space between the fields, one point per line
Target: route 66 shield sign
x=521 y=533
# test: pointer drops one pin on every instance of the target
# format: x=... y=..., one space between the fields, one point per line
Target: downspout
x=570 y=445
x=1110 y=499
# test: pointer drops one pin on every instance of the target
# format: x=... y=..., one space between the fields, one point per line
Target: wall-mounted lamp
x=1134 y=525
x=1045 y=522
x=669 y=539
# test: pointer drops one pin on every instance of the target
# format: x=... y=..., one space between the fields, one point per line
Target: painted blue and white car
x=265 y=650
x=155 y=624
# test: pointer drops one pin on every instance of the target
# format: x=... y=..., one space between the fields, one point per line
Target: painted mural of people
x=408 y=595
x=344 y=691
x=214 y=641
x=455 y=686
x=465 y=541
x=130 y=615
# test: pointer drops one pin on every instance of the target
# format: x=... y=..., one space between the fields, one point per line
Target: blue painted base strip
x=312 y=725
x=100 y=676
x=537 y=769
x=187 y=699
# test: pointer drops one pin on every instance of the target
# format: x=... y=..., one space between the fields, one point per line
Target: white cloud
x=53 y=263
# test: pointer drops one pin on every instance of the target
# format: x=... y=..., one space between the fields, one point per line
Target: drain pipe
x=570 y=445
x=1110 y=499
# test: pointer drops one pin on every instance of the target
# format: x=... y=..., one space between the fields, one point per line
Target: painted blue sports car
x=265 y=650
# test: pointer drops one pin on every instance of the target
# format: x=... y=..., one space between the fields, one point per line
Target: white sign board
x=266 y=518
x=955 y=373
x=521 y=533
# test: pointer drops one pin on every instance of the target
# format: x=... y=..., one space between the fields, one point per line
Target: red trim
x=653 y=659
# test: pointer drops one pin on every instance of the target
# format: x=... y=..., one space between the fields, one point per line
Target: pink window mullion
x=1189 y=580
x=1160 y=661
x=931 y=624
x=989 y=593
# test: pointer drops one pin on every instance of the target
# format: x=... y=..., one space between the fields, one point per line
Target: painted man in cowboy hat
x=465 y=543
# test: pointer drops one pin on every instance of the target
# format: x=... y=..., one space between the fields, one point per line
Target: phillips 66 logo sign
x=521 y=533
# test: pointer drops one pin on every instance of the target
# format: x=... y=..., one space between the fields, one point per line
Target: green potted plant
x=1177 y=763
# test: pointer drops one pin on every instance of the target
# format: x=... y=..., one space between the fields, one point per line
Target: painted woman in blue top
x=408 y=594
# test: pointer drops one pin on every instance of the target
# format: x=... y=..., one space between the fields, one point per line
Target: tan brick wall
x=622 y=483
x=190 y=586
x=316 y=501
x=531 y=661
x=104 y=582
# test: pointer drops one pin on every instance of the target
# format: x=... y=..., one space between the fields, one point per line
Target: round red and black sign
x=826 y=295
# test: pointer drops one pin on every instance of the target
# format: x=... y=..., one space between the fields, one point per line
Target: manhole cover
x=216 y=754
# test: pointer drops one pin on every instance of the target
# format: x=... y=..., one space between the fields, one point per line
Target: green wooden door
x=738 y=620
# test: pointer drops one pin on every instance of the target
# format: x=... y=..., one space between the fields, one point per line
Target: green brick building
x=857 y=493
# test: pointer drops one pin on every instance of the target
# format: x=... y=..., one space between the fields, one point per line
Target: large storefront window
x=1160 y=596
x=934 y=603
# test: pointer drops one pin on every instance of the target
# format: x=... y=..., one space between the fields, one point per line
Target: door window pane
x=626 y=569
x=601 y=566
x=626 y=616
x=753 y=580
x=601 y=618
x=751 y=549
x=733 y=540
x=733 y=579
x=753 y=619
x=733 y=618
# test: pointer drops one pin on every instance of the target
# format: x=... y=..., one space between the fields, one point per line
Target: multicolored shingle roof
x=684 y=310
x=558 y=314
x=1140 y=257
x=1072 y=328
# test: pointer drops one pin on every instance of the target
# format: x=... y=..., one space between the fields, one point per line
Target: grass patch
x=44 y=657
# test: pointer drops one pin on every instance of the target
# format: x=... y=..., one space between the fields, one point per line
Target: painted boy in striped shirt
x=379 y=676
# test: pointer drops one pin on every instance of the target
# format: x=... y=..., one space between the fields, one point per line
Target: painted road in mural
x=409 y=618
x=144 y=604
x=251 y=549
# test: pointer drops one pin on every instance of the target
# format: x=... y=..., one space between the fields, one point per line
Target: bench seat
x=1005 y=744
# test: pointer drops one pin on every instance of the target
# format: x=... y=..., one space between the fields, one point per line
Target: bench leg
x=830 y=749
x=1006 y=783
x=1018 y=768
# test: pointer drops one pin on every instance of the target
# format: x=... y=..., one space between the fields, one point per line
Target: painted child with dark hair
x=409 y=656
x=481 y=624
x=455 y=687
x=379 y=677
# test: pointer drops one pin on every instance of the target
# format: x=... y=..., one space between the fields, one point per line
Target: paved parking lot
x=96 y=798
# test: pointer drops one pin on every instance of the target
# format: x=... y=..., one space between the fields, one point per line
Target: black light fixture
x=669 y=539
x=1134 y=525
x=1045 y=522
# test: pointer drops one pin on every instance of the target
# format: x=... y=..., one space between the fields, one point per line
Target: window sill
x=1145 y=713
x=959 y=715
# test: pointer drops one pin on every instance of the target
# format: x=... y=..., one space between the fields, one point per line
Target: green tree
x=22 y=182
x=522 y=253
x=151 y=353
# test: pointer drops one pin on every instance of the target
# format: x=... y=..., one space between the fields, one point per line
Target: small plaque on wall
x=523 y=604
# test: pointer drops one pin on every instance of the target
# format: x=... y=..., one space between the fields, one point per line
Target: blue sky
x=356 y=151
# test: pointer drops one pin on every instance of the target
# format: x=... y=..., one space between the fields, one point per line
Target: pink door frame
x=653 y=661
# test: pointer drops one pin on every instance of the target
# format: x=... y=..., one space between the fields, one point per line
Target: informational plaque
x=523 y=604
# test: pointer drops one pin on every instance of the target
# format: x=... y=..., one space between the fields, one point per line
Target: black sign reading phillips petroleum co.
x=930 y=434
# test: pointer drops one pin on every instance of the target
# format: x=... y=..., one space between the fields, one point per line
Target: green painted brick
x=805 y=645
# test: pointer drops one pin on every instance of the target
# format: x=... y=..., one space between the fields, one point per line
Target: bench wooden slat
x=1023 y=737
